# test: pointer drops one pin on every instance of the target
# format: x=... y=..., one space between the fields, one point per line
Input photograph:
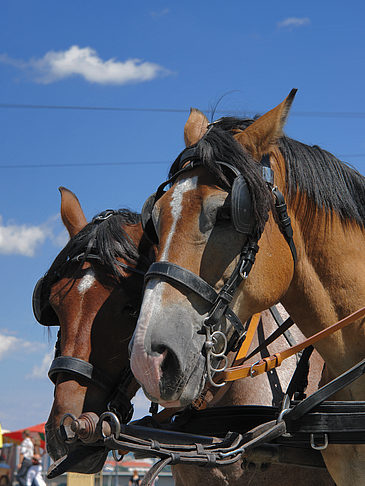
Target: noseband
x=216 y=345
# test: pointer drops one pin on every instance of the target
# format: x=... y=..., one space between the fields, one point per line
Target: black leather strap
x=79 y=367
x=326 y=391
x=184 y=277
x=299 y=380
x=278 y=332
x=284 y=221
x=279 y=321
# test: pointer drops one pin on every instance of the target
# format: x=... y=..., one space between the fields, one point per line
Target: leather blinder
x=42 y=310
x=146 y=218
x=242 y=213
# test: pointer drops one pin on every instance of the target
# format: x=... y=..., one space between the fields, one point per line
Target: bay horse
x=226 y=194
x=92 y=291
x=97 y=310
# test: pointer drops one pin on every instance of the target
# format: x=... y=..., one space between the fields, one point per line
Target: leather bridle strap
x=79 y=367
x=277 y=333
x=254 y=322
x=181 y=276
x=174 y=273
x=266 y=364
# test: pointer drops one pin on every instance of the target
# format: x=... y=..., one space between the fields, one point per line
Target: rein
x=275 y=360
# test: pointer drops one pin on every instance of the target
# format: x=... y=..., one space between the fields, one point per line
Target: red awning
x=16 y=436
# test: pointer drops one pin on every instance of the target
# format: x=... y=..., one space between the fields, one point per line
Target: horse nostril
x=158 y=348
x=170 y=361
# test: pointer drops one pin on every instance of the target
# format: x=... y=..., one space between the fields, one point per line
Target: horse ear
x=195 y=127
x=264 y=132
x=72 y=215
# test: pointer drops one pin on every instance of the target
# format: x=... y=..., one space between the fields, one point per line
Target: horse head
x=92 y=291
x=207 y=226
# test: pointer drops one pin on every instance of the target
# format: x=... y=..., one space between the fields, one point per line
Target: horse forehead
x=87 y=281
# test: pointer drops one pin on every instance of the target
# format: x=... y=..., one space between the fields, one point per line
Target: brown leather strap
x=266 y=364
x=242 y=353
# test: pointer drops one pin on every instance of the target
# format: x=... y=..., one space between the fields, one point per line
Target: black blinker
x=42 y=309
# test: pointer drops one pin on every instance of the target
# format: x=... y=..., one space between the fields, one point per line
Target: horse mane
x=218 y=144
x=105 y=237
x=327 y=182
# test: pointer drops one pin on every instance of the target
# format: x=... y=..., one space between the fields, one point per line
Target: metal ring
x=222 y=353
x=223 y=368
x=320 y=447
x=282 y=413
x=113 y=421
x=73 y=439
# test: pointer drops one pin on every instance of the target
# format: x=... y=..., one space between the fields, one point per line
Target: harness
x=216 y=343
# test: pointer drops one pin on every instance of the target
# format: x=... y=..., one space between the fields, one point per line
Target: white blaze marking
x=86 y=282
x=147 y=368
x=181 y=187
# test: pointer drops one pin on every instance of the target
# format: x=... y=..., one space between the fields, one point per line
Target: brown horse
x=97 y=313
x=221 y=202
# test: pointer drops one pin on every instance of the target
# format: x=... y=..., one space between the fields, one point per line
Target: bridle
x=118 y=401
x=216 y=344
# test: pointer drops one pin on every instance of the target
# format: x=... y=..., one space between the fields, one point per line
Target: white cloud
x=21 y=239
x=40 y=372
x=85 y=62
x=11 y=343
x=292 y=22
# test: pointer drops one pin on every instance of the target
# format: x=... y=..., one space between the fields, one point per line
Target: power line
x=80 y=164
x=111 y=164
x=319 y=114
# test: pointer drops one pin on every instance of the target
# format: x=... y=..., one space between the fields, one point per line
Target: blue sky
x=143 y=65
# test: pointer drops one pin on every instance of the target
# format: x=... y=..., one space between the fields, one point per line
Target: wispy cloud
x=160 y=13
x=21 y=239
x=85 y=62
x=40 y=371
x=9 y=344
x=293 y=22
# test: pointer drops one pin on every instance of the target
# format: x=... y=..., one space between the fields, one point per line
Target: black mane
x=311 y=171
x=329 y=183
x=219 y=144
x=105 y=238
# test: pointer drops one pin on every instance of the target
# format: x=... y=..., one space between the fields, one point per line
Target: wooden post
x=78 y=479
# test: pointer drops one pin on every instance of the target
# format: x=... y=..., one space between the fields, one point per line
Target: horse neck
x=329 y=280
